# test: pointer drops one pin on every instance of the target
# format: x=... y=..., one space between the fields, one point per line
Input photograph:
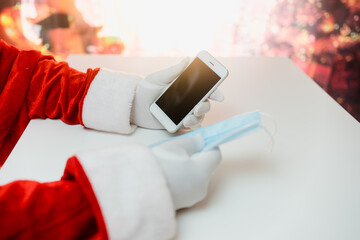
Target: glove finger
x=190 y=144
x=165 y=76
x=217 y=96
x=202 y=108
x=207 y=161
x=191 y=121
x=197 y=126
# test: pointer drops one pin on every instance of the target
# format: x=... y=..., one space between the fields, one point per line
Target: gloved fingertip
x=190 y=121
x=186 y=121
x=197 y=126
x=202 y=108
x=193 y=144
x=217 y=96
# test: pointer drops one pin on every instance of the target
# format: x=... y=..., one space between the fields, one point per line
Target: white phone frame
x=215 y=66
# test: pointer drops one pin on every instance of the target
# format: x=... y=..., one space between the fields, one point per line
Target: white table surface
x=308 y=187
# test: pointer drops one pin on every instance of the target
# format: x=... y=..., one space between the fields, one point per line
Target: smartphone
x=203 y=75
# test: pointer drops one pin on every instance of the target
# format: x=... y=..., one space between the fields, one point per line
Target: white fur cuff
x=108 y=102
x=131 y=191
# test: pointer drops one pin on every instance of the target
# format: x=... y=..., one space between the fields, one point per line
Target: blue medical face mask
x=224 y=131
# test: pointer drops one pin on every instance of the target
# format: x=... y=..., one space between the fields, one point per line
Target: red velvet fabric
x=63 y=209
x=35 y=86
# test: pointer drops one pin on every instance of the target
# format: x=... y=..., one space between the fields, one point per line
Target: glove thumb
x=165 y=76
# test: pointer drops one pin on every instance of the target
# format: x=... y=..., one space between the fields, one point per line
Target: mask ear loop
x=267 y=131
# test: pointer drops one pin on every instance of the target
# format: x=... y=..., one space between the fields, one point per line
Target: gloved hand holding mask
x=186 y=169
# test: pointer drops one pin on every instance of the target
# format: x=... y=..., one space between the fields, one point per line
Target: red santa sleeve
x=54 y=210
x=36 y=86
x=117 y=193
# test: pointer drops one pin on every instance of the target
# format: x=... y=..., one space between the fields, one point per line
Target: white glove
x=186 y=169
x=152 y=86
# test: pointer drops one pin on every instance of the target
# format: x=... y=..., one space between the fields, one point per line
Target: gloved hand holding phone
x=152 y=86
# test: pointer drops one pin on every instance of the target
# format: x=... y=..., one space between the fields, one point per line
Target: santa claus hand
x=186 y=169
x=152 y=86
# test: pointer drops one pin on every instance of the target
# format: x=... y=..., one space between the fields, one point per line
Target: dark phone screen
x=187 y=90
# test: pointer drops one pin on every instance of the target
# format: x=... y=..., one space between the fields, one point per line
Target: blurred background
x=322 y=37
